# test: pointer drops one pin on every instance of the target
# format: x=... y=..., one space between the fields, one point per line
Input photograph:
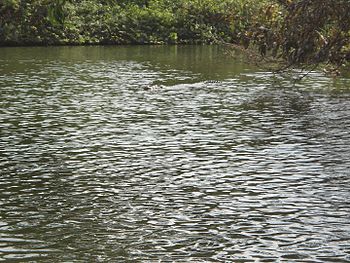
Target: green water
x=223 y=163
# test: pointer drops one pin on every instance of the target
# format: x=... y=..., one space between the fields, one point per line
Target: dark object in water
x=154 y=87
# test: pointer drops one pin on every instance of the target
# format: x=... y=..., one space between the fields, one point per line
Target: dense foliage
x=300 y=32
x=306 y=32
x=124 y=21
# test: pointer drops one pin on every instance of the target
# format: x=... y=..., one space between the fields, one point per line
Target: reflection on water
x=224 y=164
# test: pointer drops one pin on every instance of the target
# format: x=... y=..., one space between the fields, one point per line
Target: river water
x=224 y=163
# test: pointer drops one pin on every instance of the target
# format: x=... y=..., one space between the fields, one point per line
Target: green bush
x=124 y=22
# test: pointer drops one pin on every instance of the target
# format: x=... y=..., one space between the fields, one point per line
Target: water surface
x=224 y=164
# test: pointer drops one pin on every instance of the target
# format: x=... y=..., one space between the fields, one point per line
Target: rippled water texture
x=223 y=164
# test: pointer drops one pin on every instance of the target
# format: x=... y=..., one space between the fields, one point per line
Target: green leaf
x=56 y=13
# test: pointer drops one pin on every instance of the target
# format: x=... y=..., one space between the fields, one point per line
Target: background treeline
x=299 y=32
x=125 y=21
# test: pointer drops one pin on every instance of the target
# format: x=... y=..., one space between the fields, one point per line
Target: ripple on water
x=94 y=168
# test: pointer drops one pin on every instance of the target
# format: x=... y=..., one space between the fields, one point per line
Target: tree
x=306 y=32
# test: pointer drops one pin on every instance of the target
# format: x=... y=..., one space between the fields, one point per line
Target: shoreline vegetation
x=301 y=33
x=91 y=22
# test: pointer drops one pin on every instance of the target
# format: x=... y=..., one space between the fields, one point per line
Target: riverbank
x=268 y=26
x=89 y=22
